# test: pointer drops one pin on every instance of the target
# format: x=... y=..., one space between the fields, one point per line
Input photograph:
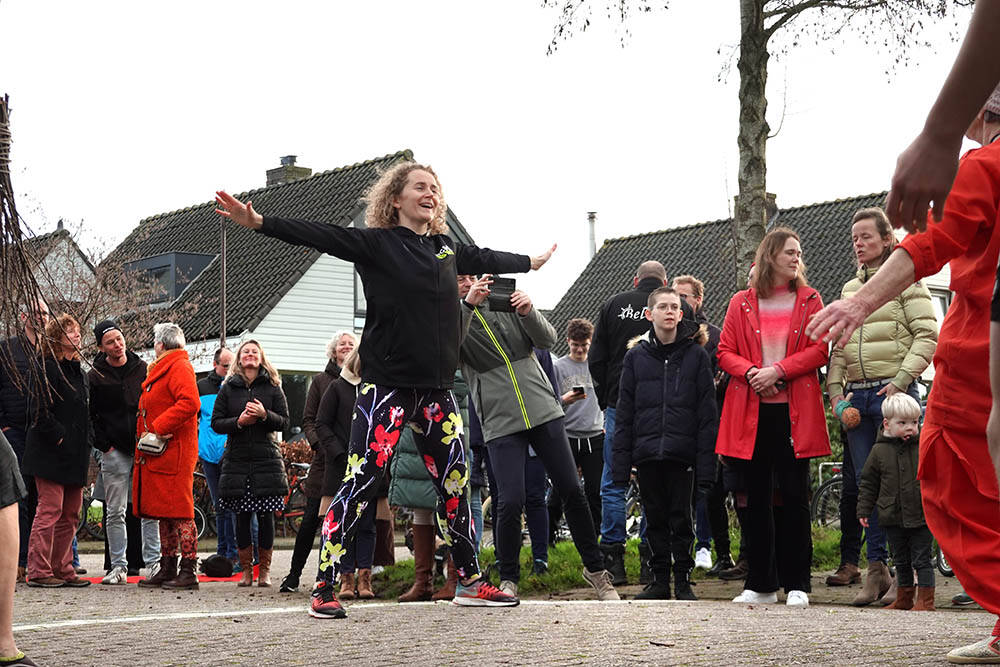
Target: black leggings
x=265 y=530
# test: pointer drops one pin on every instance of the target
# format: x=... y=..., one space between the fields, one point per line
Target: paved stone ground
x=223 y=625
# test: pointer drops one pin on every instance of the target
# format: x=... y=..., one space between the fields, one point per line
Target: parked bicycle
x=295 y=501
x=91 y=516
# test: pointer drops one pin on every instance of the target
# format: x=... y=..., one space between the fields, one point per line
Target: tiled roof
x=705 y=251
x=260 y=270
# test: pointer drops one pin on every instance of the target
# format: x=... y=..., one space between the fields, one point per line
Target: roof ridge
x=838 y=200
x=704 y=223
x=404 y=153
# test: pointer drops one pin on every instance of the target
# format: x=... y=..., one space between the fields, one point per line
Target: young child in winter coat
x=889 y=481
x=665 y=426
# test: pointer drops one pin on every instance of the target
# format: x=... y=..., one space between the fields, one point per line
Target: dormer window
x=168 y=274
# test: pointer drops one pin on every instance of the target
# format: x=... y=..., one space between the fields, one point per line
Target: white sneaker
x=797 y=599
x=116 y=577
x=985 y=651
x=703 y=559
x=753 y=597
x=508 y=587
x=152 y=570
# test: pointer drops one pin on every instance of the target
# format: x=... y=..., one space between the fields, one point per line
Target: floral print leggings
x=380 y=415
x=182 y=532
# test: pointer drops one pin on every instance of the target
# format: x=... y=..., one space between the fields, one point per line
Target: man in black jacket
x=115 y=386
x=18 y=352
x=620 y=319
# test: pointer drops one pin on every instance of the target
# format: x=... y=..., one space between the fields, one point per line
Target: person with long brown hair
x=57 y=455
x=250 y=409
x=774 y=365
x=409 y=353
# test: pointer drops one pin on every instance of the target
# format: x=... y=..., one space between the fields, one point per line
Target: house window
x=360 y=303
x=941 y=300
x=163 y=277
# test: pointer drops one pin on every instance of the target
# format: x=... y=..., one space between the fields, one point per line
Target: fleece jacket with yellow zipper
x=506 y=383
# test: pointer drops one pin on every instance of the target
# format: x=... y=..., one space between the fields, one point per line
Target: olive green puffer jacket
x=889 y=483
x=897 y=341
x=409 y=482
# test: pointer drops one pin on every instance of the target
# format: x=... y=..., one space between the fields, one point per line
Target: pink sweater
x=775 y=323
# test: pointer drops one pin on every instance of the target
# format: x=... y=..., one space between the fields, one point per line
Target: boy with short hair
x=889 y=479
x=665 y=426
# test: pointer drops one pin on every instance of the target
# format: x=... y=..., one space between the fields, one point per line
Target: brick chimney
x=287 y=172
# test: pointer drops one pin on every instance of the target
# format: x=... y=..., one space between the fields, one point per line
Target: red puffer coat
x=740 y=350
x=161 y=485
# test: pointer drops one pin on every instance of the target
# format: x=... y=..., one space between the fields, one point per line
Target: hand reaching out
x=539 y=260
x=237 y=211
x=924 y=173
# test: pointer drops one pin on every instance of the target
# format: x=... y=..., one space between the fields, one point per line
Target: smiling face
x=344 y=347
x=787 y=260
x=869 y=246
x=417 y=204
x=250 y=356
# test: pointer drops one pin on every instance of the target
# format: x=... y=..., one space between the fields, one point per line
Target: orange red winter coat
x=740 y=350
x=161 y=485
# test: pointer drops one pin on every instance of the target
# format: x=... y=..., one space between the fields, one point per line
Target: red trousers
x=962 y=507
x=50 y=546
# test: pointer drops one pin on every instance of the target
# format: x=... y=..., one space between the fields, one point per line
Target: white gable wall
x=295 y=333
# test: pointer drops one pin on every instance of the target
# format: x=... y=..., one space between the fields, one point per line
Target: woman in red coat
x=773 y=417
x=162 y=485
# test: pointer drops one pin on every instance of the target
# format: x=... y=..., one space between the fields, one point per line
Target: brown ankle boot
x=877 y=583
x=365 y=591
x=423 y=565
x=904 y=598
x=346 y=586
x=846 y=574
x=186 y=579
x=925 y=599
x=246 y=567
x=447 y=591
x=264 y=571
x=168 y=570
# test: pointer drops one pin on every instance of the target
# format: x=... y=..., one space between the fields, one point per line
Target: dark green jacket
x=889 y=482
x=409 y=483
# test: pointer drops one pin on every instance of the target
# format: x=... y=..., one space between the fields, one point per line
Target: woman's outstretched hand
x=539 y=260
x=238 y=212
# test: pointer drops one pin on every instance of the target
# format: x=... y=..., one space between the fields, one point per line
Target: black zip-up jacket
x=58 y=443
x=666 y=407
x=333 y=428
x=14 y=404
x=250 y=450
x=621 y=319
x=413 y=324
x=114 y=401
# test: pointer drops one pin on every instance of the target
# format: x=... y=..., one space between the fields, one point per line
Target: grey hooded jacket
x=508 y=386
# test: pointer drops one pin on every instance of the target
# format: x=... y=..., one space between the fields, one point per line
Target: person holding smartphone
x=584 y=418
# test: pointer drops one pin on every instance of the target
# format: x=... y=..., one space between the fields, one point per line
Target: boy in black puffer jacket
x=665 y=426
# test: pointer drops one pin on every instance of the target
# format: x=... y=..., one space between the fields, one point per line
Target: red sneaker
x=325 y=603
x=481 y=593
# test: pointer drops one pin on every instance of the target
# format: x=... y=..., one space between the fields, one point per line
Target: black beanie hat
x=103 y=328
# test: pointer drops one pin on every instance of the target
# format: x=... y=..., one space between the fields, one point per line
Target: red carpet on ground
x=201 y=578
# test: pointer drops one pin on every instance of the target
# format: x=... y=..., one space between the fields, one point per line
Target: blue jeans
x=702 y=527
x=860 y=441
x=612 y=495
x=225 y=520
x=476 y=506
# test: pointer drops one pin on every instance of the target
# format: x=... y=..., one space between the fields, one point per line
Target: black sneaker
x=657 y=590
x=682 y=589
x=289 y=584
x=724 y=563
x=962 y=600
x=539 y=566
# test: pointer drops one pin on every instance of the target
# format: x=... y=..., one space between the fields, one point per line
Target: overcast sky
x=121 y=110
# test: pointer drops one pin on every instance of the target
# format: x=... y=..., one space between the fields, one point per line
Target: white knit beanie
x=993 y=103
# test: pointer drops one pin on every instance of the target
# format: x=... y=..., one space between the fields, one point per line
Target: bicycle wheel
x=91 y=517
x=295 y=509
x=825 y=509
x=941 y=561
x=200 y=521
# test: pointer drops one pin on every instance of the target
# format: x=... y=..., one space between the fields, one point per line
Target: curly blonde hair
x=379 y=198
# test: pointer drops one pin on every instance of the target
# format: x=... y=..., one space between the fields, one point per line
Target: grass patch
x=565 y=566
